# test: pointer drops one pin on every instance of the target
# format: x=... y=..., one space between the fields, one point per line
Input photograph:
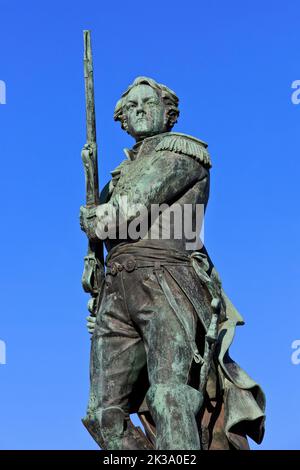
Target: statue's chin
x=142 y=128
x=145 y=131
x=142 y=131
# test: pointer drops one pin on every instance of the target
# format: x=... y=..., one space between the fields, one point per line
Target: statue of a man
x=156 y=306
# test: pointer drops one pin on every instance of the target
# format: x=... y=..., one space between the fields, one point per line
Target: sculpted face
x=145 y=112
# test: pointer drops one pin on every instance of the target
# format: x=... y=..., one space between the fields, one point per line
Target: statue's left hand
x=91 y=323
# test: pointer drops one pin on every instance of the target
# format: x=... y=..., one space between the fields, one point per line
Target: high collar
x=134 y=152
x=147 y=139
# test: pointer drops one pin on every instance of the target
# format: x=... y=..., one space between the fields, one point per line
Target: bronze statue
x=161 y=323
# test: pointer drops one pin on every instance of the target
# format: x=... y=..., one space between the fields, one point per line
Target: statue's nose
x=140 y=109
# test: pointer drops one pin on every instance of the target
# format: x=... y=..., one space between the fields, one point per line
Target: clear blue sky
x=232 y=64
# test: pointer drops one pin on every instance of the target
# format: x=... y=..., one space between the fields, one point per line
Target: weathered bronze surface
x=161 y=323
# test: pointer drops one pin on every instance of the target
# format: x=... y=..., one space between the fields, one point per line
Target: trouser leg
x=117 y=357
x=172 y=402
x=173 y=407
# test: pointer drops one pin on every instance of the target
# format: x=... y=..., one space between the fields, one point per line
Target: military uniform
x=154 y=313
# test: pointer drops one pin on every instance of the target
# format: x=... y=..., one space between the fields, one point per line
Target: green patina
x=161 y=323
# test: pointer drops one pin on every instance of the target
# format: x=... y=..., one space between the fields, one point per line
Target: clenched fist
x=88 y=221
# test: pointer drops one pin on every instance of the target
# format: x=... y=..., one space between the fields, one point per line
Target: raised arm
x=157 y=179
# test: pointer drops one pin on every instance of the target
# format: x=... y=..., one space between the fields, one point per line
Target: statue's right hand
x=88 y=221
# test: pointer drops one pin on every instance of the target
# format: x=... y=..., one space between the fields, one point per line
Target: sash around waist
x=131 y=257
x=149 y=253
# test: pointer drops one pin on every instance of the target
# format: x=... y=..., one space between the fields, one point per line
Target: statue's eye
x=131 y=106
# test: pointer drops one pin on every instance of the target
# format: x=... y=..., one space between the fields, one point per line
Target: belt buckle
x=130 y=265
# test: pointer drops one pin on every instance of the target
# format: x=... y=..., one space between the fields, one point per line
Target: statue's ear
x=171 y=118
x=166 y=119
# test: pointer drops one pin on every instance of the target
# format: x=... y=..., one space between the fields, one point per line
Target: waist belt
x=130 y=259
x=131 y=263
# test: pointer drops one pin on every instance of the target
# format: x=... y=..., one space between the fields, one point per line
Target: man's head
x=147 y=108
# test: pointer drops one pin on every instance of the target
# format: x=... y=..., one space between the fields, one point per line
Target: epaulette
x=187 y=145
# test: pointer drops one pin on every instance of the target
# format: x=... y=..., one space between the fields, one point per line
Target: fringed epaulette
x=187 y=145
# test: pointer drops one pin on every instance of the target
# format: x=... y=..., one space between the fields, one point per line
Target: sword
x=211 y=339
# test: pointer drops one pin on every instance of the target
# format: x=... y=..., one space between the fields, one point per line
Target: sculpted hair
x=167 y=95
